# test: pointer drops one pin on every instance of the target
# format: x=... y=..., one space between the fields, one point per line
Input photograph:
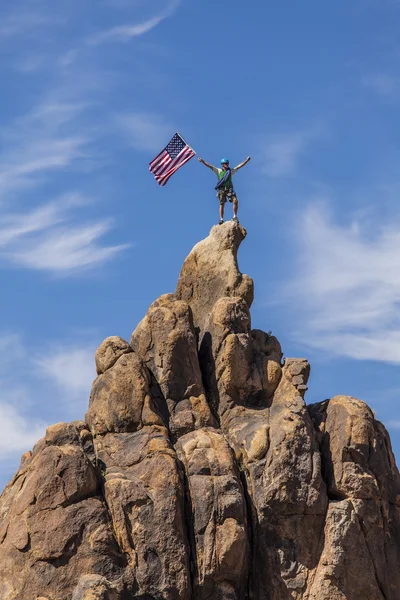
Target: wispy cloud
x=14 y=226
x=38 y=144
x=125 y=32
x=281 y=153
x=145 y=131
x=347 y=286
x=71 y=369
x=383 y=84
x=19 y=431
x=31 y=64
x=68 y=58
x=67 y=369
x=38 y=158
x=29 y=381
x=64 y=252
x=11 y=350
x=23 y=22
x=48 y=238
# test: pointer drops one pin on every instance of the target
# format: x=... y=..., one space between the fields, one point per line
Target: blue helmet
x=225 y=161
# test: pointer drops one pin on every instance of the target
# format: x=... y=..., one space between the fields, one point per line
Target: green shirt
x=221 y=174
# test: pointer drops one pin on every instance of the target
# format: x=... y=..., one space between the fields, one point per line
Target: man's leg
x=235 y=207
x=222 y=200
x=221 y=209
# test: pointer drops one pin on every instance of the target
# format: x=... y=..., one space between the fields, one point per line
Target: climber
x=225 y=190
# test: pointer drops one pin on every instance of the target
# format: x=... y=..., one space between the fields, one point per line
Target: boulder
x=166 y=342
x=109 y=352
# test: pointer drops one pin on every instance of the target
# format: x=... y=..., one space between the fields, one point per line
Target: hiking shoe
x=235 y=219
x=221 y=222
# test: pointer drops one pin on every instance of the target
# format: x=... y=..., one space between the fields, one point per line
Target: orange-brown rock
x=144 y=492
x=200 y=472
x=211 y=272
x=54 y=520
x=166 y=342
x=109 y=352
x=218 y=511
x=120 y=400
x=362 y=527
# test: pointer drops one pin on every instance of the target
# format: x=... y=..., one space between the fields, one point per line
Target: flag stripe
x=174 y=171
x=190 y=154
x=171 y=165
x=162 y=164
x=157 y=160
x=157 y=157
x=187 y=154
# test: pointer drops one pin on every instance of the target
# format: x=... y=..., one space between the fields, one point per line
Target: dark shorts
x=226 y=194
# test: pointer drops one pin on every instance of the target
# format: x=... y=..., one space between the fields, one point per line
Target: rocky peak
x=211 y=273
x=200 y=472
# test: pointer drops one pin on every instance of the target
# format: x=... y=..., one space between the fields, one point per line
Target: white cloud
x=11 y=350
x=31 y=63
x=51 y=114
x=281 y=153
x=145 y=131
x=382 y=83
x=68 y=58
x=24 y=23
x=47 y=238
x=347 y=286
x=39 y=158
x=66 y=251
x=71 y=369
x=38 y=144
x=124 y=33
x=29 y=383
x=19 y=432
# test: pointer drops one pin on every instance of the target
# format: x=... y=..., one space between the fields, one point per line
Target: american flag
x=172 y=158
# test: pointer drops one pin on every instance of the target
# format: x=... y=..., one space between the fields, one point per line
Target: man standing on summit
x=224 y=187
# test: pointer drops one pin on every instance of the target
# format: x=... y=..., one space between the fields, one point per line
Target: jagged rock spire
x=211 y=272
x=199 y=471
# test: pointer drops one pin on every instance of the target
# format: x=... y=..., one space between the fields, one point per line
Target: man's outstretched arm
x=207 y=164
x=242 y=164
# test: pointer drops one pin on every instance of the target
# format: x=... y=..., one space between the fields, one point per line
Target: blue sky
x=92 y=91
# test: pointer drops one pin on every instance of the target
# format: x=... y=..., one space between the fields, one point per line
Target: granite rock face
x=200 y=473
